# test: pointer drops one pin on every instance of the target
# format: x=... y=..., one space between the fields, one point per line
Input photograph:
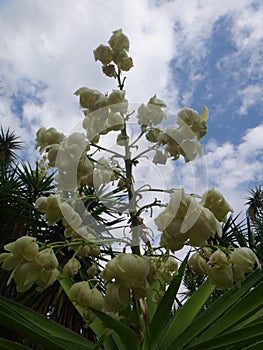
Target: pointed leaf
x=10 y=345
x=39 y=328
x=184 y=317
x=215 y=311
x=248 y=305
x=127 y=336
x=163 y=312
x=236 y=339
x=257 y=346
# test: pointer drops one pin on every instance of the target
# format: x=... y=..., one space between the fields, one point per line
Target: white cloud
x=230 y=168
x=250 y=96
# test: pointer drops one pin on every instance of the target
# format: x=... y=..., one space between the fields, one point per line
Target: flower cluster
x=54 y=210
x=47 y=137
x=116 y=53
x=86 y=298
x=165 y=269
x=130 y=272
x=182 y=140
x=152 y=113
x=29 y=265
x=102 y=113
x=186 y=220
x=224 y=268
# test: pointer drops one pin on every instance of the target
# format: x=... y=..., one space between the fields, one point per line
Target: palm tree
x=9 y=145
x=20 y=186
x=255 y=220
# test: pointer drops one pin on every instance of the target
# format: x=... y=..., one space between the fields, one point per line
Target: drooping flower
x=244 y=258
x=184 y=219
x=216 y=202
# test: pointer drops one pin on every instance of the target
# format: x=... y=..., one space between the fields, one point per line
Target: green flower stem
x=135 y=226
x=106 y=167
x=144 y=152
x=81 y=242
x=120 y=83
x=157 y=190
x=155 y=203
x=106 y=150
x=137 y=139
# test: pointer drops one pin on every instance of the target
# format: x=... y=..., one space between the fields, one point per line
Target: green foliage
x=39 y=328
x=231 y=322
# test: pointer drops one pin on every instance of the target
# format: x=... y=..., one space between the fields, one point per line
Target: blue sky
x=190 y=53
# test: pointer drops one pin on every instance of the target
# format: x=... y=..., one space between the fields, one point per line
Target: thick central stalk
x=135 y=226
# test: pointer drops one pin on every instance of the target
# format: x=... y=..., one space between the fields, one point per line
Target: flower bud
x=198 y=264
x=109 y=70
x=52 y=154
x=222 y=277
x=126 y=64
x=171 y=264
x=129 y=269
x=153 y=135
x=10 y=261
x=79 y=293
x=42 y=204
x=157 y=102
x=47 y=259
x=95 y=299
x=117 y=297
x=94 y=250
x=25 y=275
x=104 y=54
x=122 y=140
x=92 y=270
x=83 y=252
x=46 y=137
x=71 y=268
x=46 y=278
x=119 y=41
x=216 y=202
x=88 y=97
x=218 y=259
x=244 y=258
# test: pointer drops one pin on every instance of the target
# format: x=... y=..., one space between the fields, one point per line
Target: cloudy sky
x=189 y=53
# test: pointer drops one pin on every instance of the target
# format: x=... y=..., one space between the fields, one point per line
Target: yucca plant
x=89 y=253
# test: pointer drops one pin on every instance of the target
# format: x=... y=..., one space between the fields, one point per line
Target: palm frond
x=9 y=144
